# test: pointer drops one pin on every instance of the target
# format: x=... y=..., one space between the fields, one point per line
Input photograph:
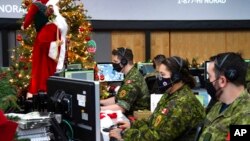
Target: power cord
x=70 y=127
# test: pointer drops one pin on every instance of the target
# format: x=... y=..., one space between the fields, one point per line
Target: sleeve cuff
x=53 y=50
x=123 y=104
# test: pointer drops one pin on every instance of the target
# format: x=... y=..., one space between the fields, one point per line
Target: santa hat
x=44 y=1
x=52 y=2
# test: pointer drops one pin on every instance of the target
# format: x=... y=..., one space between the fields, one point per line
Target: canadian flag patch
x=165 y=111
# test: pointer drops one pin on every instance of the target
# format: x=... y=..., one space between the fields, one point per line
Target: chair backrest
x=191 y=134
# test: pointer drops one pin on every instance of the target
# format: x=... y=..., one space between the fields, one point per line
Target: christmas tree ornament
x=91 y=46
x=102 y=77
x=81 y=29
x=19 y=37
x=87 y=38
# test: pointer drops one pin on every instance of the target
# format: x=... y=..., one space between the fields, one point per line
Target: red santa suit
x=42 y=65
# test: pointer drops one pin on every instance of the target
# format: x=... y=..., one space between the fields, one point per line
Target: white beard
x=61 y=23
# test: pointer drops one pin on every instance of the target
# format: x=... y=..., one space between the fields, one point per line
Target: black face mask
x=164 y=84
x=212 y=91
x=117 y=67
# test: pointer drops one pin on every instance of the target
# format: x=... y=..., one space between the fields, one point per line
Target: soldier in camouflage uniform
x=177 y=112
x=133 y=94
x=151 y=77
x=227 y=73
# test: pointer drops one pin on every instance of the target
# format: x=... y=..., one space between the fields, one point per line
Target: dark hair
x=230 y=62
x=180 y=66
x=123 y=52
x=158 y=59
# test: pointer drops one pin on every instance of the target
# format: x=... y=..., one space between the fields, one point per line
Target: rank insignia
x=165 y=111
x=122 y=93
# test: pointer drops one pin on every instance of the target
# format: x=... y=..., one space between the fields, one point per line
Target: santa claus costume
x=42 y=65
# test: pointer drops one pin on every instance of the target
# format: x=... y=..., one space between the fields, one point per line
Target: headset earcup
x=124 y=61
x=176 y=77
x=231 y=74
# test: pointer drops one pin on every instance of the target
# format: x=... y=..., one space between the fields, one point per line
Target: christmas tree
x=7 y=93
x=80 y=48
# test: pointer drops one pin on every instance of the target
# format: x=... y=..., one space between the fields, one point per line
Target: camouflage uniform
x=133 y=94
x=174 y=115
x=216 y=126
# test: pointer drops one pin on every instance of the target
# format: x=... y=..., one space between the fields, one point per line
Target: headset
x=231 y=74
x=176 y=76
x=122 y=52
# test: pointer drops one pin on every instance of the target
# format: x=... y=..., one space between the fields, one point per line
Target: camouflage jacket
x=174 y=115
x=133 y=94
x=216 y=126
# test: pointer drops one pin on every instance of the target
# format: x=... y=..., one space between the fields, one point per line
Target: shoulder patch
x=165 y=111
x=123 y=93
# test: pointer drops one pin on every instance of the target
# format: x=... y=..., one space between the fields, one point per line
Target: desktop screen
x=145 y=68
x=248 y=62
x=198 y=74
x=78 y=102
x=106 y=73
x=80 y=74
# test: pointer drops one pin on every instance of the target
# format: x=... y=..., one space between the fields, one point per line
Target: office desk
x=108 y=119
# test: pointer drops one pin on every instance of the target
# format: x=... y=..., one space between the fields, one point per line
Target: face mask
x=164 y=83
x=212 y=91
x=117 y=67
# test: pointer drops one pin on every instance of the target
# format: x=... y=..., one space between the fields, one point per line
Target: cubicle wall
x=187 y=44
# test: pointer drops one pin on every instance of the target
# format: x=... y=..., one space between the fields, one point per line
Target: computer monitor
x=80 y=74
x=152 y=84
x=248 y=62
x=107 y=74
x=78 y=102
x=198 y=74
x=145 y=68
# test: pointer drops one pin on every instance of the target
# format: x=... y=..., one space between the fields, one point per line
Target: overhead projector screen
x=151 y=10
x=168 y=9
